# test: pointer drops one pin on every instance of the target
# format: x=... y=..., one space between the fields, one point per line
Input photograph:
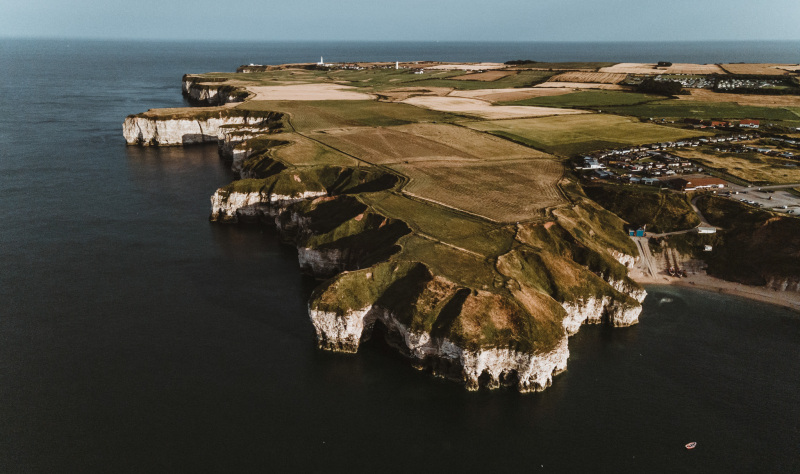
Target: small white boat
x=691 y=445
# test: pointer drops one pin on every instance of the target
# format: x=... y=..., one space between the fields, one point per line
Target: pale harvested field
x=706 y=95
x=790 y=67
x=400 y=94
x=467 y=67
x=501 y=192
x=580 y=85
x=650 y=68
x=765 y=69
x=308 y=92
x=468 y=141
x=487 y=76
x=596 y=77
x=483 y=109
x=423 y=143
x=502 y=95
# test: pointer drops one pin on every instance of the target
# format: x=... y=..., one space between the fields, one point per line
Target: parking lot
x=774 y=198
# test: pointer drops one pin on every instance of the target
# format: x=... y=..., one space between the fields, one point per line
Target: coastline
x=786 y=299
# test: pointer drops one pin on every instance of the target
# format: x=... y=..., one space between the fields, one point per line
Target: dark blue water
x=137 y=337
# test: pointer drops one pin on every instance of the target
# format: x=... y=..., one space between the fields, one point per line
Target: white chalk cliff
x=143 y=130
x=493 y=366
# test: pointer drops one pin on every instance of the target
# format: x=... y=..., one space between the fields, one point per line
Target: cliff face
x=515 y=334
x=210 y=93
x=490 y=367
x=484 y=303
x=256 y=205
x=186 y=129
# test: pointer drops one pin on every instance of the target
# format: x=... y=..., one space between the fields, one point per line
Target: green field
x=502 y=192
x=376 y=80
x=301 y=151
x=588 y=99
x=463 y=231
x=708 y=110
x=570 y=135
x=317 y=115
x=383 y=79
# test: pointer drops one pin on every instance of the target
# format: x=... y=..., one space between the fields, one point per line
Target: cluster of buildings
x=650 y=164
x=737 y=148
x=719 y=82
x=724 y=83
x=744 y=123
x=694 y=82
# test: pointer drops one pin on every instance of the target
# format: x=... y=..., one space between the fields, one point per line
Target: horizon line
x=226 y=40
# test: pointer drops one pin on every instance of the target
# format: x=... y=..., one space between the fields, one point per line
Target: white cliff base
x=491 y=367
x=229 y=207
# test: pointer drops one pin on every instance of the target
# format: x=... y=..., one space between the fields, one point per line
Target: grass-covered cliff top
x=660 y=211
x=445 y=188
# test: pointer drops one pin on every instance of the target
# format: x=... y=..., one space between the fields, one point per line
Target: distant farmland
x=596 y=77
x=569 y=135
x=423 y=142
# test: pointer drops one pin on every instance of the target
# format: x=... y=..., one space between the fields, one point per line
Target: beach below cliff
x=703 y=281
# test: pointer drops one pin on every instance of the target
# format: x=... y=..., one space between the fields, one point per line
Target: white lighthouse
x=321 y=62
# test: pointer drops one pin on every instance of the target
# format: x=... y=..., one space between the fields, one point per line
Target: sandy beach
x=702 y=281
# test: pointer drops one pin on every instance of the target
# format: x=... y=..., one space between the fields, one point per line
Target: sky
x=405 y=20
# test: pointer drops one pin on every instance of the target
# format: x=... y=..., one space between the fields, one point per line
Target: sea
x=136 y=336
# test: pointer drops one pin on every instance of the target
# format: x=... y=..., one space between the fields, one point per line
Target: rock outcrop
x=202 y=126
x=205 y=91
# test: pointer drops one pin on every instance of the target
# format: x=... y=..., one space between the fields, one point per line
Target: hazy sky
x=426 y=20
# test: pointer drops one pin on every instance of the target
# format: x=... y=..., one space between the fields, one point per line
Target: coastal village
x=660 y=165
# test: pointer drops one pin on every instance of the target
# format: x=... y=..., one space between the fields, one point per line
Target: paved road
x=703 y=222
x=648 y=262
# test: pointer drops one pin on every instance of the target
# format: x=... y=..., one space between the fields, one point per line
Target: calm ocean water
x=137 y=337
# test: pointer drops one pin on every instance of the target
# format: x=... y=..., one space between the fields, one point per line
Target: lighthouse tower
x=321 y=62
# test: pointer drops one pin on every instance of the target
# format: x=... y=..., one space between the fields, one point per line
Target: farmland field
x=581 y=85
x=761 y=69
x=706 y=110
x=498 y=191
x=382 y=79
x=574 y=134
x=500 y=95
x=470 y=233
x=487 y=76
x=596 y=77
x=423 y=142
x=589 y=99
x=301 y=151
x=753 y=167
x=676 y=68
x=318 y=115
x=481 y=108
x=758 y=100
